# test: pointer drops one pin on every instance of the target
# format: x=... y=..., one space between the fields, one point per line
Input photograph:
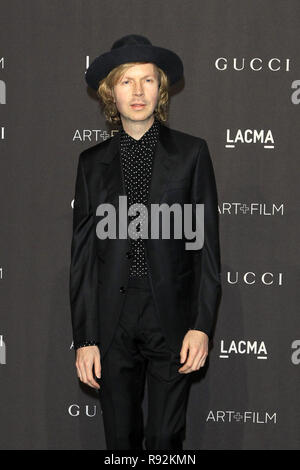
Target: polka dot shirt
x=137 y=161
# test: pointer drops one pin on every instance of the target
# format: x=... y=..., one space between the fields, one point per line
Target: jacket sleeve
x=207 y=267
x=83 y=279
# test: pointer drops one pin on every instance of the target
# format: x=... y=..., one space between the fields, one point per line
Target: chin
x=142 y=114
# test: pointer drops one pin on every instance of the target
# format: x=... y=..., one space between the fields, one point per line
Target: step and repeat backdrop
x=241 y=92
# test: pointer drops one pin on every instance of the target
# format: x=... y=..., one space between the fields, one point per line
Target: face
x=139 y=84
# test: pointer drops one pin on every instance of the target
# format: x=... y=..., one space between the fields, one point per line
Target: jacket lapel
x=163 y=164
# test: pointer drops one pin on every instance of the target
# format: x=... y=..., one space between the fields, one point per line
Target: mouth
x=137 y=106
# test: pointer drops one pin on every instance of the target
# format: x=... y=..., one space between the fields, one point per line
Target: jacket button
x=128 y=254
x=122 y=289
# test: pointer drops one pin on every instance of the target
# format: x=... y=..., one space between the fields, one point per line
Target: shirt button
x=122 y=289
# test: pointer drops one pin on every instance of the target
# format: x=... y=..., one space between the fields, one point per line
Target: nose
x=138 y=89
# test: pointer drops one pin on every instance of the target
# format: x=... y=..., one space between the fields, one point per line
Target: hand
x=195 y=343
x=86 y=358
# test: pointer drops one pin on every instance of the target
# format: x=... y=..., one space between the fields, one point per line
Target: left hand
x=195 y=345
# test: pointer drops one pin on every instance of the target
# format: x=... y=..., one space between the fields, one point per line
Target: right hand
x=88 y=357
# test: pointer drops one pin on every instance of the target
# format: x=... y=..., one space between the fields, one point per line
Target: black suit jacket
x=186 y=284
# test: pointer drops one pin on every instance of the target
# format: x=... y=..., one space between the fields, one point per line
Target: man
x=142 y=307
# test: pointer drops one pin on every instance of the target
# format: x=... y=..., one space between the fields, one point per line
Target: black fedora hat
x=134 y=48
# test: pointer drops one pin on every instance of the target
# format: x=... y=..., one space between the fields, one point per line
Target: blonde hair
x=106 y=85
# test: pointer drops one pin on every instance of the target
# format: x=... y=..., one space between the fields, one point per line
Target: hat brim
x=167 y=60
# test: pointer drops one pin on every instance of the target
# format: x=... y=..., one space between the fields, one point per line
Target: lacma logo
x=250 y=136
x=242 y=347
x=2 y=350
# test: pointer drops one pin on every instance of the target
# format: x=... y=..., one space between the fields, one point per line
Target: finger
x=88 y=372
x=92 y=382
x=183 y=354
x=97 y=367
x=202 y=361
x=190 y=366
x=185 y=367
x=189 y=363
x=77 y=369
x=89 y=375
x=82 y=373
x=78 y=373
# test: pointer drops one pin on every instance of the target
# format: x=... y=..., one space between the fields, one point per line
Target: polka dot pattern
x=137 y=161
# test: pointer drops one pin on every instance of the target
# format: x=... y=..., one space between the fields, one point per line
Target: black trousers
x=139 y=352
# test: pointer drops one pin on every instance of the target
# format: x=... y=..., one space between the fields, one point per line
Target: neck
x=137 y=129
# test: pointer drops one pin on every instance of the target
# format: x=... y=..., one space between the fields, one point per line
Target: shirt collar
x=149 y=139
